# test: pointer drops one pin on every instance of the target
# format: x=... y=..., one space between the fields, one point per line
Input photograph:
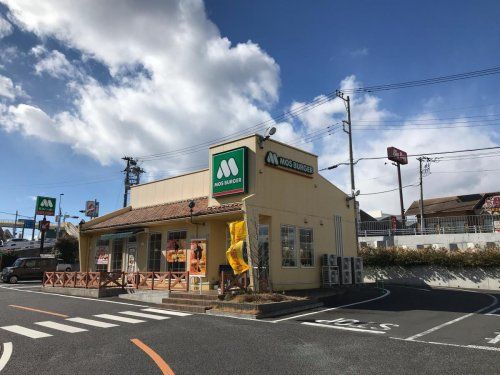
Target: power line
x=414 y=155
x=388 y=191
x=425 y=82
x=463 y=171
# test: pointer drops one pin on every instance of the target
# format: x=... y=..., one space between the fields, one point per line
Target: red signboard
x=396 y=155
x=492 y=204
x=394 y=222
x=44 y=225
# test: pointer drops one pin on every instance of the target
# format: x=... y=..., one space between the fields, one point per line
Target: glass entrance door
x=131 y=255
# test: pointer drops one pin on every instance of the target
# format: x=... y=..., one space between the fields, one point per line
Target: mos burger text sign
x=230 y=172
x=45 y=206
x=396 y=155
x=274 y=160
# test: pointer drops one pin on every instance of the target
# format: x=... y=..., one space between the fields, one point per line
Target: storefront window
x=177 y=251
x=154 y=252
x=117 y=255
x=306 y=247
x=288 y=251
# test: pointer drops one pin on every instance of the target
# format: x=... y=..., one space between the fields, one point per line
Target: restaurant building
x=292 y=214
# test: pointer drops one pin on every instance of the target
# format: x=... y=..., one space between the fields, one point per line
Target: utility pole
x=347 y=103
x=15 y=225
x=59 y=217
x=132 y=176
x=421 y=197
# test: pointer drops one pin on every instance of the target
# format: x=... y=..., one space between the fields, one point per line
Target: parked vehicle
x=63 y=266
x=28 y=269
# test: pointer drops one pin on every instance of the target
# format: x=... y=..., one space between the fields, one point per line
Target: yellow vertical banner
x=234 y=254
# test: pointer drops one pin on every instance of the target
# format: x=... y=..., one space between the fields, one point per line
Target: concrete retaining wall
x=454 y=241
x=471 y=278
x=82 y=292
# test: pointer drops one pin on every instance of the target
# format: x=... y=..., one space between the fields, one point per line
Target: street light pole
x=59 y=217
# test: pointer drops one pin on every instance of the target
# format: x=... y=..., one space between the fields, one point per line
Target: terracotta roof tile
x=168 y=211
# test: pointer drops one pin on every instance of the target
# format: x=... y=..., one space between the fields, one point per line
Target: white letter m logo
x=227 y=168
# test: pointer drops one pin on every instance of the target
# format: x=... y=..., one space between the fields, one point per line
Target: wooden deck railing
x=100 y=280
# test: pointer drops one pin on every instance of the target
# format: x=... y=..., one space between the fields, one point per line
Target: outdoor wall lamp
x=269 y=133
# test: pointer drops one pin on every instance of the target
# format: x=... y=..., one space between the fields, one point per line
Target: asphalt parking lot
x=465 y=318
x=366 y=331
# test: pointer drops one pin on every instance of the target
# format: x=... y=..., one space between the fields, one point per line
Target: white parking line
x=433 y=329
x=60 y=327
x=6 y=353
x=334 y=308
x=343 y=328
x=31 y=333
x=144 y=315
x=166 y=312
x=92 y=322
x=493 y=312
x=119 y=318
x=490 y=348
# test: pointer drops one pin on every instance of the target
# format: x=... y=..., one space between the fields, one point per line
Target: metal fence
x=432 y=225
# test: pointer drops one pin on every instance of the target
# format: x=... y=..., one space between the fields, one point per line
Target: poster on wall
x=198 y=257
x=102 y=256
x=176 y=255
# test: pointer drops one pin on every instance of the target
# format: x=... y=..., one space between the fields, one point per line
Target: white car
x=62 y=266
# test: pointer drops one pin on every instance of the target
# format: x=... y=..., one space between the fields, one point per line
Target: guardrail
x=131 y=280
x=432 y=225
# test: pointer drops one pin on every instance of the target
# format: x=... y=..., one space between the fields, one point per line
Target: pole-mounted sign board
x=45 y=206
x=29 y=224
x=43 y=225
x=92 y=209
x=396 y=155
x=230 y=172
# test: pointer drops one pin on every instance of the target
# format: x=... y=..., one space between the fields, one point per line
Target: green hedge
x=395 y=256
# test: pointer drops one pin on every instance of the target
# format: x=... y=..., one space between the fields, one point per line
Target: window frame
x=313 y=263
x=148 y=268
x=294 y=245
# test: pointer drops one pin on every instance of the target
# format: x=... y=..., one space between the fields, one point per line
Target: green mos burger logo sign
x=274 y=160
x=230 y=172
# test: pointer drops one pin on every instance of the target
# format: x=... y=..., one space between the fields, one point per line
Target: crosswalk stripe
x=166 y=312
x=61 y=327
x=119 y=318
x=144 y=315
x=26 y=331
x=92 y=322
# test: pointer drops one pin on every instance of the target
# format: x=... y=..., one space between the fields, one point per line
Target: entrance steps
x=189 y=302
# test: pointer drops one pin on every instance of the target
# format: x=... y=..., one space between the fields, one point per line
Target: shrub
x=66 y=248
x=396 y=256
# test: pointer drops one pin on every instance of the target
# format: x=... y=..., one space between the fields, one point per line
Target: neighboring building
x=456 y=205
x=293 y=215
x=380 y=215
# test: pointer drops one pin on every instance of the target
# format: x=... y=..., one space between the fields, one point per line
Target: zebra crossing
x=77 y=324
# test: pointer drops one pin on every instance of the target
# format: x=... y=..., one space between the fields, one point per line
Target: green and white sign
x=277 y=161
x=230 y=172
x=45 y=206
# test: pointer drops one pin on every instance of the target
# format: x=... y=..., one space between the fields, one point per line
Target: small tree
x=66 y=248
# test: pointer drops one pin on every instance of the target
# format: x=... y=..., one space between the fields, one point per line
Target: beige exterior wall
x=188 y=186
x=275 y=197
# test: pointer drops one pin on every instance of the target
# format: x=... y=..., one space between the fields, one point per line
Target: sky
x=83 y=84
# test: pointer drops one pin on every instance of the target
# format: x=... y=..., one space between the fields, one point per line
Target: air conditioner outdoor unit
x=344 y=264
x=357 y=270
x=329 y=276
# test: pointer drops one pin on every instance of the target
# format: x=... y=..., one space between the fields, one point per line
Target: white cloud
x=176 y=81
x=55 y=64
x=360 y=52
x=8 y=89
x=5 y=27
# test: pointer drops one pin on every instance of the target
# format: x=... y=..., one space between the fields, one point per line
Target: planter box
x=470 y=278
x=264 y=310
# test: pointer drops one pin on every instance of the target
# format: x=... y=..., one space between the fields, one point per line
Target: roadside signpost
x=399 y=157
x=45 y=206
x=43 y=226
